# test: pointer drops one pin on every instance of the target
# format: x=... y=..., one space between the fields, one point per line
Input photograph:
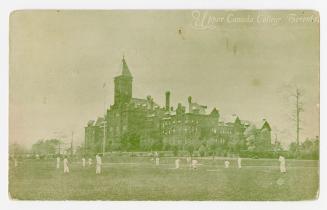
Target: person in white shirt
x=177 y=163
x=83 y=162
x=58 y=162
x=98 y=164
x=227 y=164
x=90 y=161
x=194 y=164
x=66 y=168
x=282 y=165
x=239 y=162
x=157 y=158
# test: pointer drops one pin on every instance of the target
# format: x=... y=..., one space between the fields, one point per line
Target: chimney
x=167 y=100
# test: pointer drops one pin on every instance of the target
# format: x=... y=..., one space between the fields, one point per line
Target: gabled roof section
x=265 y=125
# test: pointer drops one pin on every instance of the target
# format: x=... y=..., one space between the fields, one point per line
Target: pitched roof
x=230 y=118
x=214 y=112
x=195 y=107
x=99 y=121
x=266 y=125
x=262 y=124
x=90 y=123
x=142 y=102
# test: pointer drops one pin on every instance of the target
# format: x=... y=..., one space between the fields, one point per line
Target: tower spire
x=125 y=69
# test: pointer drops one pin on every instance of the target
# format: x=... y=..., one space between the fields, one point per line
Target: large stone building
x=142 y=124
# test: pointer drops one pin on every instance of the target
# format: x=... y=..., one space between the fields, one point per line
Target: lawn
x=139 y=179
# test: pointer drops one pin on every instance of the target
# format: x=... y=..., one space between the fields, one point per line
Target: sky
x=246 y=63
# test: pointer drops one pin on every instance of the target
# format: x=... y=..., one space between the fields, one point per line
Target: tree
x=251 y=134
x=212 y=146
x=157 y=144
x=294 y=97
x=175 y=150
x=234 y=143
x=315 y=148
x=293 y=149
x=202 y=150
x=277 y=147
x=46 y=147
x=190 y=148
x=299 y=109
x=130 y=141
x=16 y=149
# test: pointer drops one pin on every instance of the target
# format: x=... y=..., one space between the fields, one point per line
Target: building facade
x=142 y=124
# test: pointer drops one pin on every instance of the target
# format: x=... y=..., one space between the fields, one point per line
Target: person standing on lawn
x=227 y=164
x=98 y=164
x=83 y=162
x=194 y=164
x=282 y=166
x=239 y=162
x=177 y=163
x=157 y=159
x=66 y=168
x=58 y=162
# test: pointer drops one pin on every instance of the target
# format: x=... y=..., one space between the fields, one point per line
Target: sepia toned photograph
x=164 y=105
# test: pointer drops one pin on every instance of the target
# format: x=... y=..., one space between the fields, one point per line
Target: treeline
x=309 y=149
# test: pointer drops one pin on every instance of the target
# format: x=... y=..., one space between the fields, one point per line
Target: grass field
x=139 y=179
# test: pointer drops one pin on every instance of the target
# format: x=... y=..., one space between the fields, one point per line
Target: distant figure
x=282 y=166
x=58 y=162
x=177 y=163
x=90 y=161
x=227 y=164
x=83 y=162
x=157 y=161
x=194 y=164
x=66 y=168
x=239 y=162
x=157 y=158
x=98 y=164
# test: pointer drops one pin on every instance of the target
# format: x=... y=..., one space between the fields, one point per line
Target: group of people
x=66 y=163
x=192 y=162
